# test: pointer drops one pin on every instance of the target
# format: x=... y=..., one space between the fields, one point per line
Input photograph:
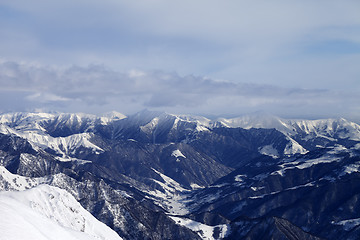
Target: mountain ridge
x=154 y=175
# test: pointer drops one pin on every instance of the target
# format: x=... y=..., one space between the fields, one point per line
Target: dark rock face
x=235 y=147
x=133 y=174
x=313 y=195
x=268 y=228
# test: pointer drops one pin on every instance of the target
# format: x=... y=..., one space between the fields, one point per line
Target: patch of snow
x=4 y=129
x=201 y=128
x=279 y=172
x=305 y=163
x=355 y=167
x=170 y=184
x=287 y=189
x=348 y=224
x=294 y=147
x=269 y=150
x=338 y=148
x=177 y=153
x=219 y=185
x=257 y=188
x=206 y=232
x=312 y=162
x=310 y=184
x=71 y=159
x=328 y=178
x=239 y=178
x=195 y=186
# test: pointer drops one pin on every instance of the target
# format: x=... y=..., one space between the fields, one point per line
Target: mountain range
x=154 y=175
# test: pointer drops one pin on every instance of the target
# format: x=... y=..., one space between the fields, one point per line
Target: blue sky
x=206 y=57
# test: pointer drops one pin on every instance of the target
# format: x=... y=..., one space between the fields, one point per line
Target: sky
x=294 y=59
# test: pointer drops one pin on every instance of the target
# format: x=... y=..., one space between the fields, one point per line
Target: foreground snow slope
x=48 y=213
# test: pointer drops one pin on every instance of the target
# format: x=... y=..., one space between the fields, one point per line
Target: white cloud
x=46 y=98
x=97 y=89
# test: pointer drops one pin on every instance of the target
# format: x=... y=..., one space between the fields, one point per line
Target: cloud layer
x=97 y=89
x=292 y=58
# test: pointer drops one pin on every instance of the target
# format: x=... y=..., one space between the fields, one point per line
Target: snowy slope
x=9 y=181
x=48 y=213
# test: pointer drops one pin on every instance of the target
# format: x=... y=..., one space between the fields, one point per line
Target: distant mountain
x=309 y=133
x=154 y=175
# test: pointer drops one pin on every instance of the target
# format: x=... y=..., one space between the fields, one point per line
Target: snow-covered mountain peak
x=338 y=128
x=18 y=118
x=150 y=127
x=45 y=122
x=73 y=118
x=111 y=116
x=341 y=127
x=256 y=120
x=31 y=122
x=190 y=118
x=202 y=123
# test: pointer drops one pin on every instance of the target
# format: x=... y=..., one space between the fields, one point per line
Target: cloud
x=223 y=39
x=97 y=89
x=204 y=57
x=46 y=98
